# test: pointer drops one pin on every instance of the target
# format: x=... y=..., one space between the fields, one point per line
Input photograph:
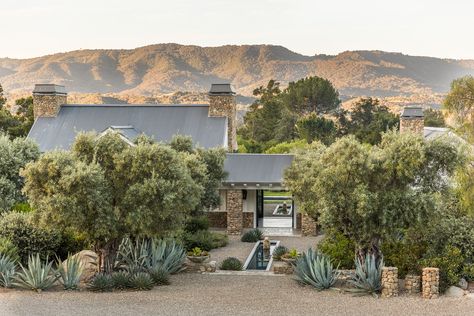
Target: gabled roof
x=256 y=169
x=160 y=122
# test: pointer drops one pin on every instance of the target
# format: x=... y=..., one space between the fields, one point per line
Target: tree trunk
x=372 y=249
x=107 y=254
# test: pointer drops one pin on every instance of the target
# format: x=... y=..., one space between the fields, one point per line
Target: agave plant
x=159 y=275
x=121 y=280
x=141 y=281
x=253 y=235
x=37 y=276
x=133 y=257
x=101 y=282
x=367 y=278
x=70 y=272
x=168 y=255
x=279 y=251
x=316 y=269
x=7 y=270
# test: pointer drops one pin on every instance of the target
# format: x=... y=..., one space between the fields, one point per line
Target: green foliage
x=121 y=280
x=167 y=255
x=292 y=254
x=197 y=252
x=232 y=264
x=141 y=281
x=278 y=252
x=205 y=240
x=368 y=275
x=101 y=282
x=14 y=155
x=19 y=125
x=160 y=275
x=450 y=263
x=133 y=256
x=3 y=99
x=27 y=236
x=434 y=118
x=70 y=272
x=7 y=270
x=37 y=276
x=339 y=248
x=198 y=223
x=9 y=249
x=312 y=127
x=468 y=272
x=253 y=235
x=460 y=103
x=286 y=147
x=316 y=269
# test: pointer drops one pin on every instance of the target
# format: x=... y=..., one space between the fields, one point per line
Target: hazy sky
x=418 y=27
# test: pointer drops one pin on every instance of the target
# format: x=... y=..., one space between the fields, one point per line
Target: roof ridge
x=136 y=105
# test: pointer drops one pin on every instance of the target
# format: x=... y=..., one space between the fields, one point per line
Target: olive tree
x=370 y=192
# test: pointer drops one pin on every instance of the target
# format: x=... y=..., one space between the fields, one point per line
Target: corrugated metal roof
x=48 y=88
x=256 y=168
x=412 y=111
x=221 y=88
x=161 y=122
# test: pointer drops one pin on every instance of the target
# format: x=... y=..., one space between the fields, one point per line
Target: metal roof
x=48 y=88
x=254 y=169
x=127 y=131
x=160 y=122
x=221 y=88
x=412 y=112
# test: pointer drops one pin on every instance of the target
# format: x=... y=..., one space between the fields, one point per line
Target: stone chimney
x=412 y=120
x=222 y=104
x=47 y=100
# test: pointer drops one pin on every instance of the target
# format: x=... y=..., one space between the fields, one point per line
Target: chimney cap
x=49 y=88
x=221 y=89
x=412 y=112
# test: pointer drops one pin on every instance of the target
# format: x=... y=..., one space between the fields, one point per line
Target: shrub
x=120 y=280
x=70 y=272
x=7 y=270
x=339 y=248
x=253 y=235
x=231 y=263
x=368 y=275
x=205 y=240
x=468 y=272
x=278 y=252
x=160 y=276
x=71 y=243
x=141 y=281
x=291 y=254
x=316 y=269
x=37 y=276
x=9 y=249
x=195 y=224
x=101 y=282
x=27 y=236
x=405 y=254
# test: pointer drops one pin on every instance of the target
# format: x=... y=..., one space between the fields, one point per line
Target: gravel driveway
x=194 y=294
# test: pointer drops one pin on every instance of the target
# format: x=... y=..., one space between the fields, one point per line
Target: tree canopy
x=460 y=103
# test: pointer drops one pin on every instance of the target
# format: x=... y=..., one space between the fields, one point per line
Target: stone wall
x=248 y=219
x=217 y=219
x=225 y=105
x=193 y=267
x=308 y=225
x=234 y=212
x=430 y=283
x=389 y=281
x=47 y=105
x=415 y=125
x=412 y=284
x=281 y=267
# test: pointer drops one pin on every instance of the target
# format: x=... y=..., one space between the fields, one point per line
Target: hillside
x=167 y=68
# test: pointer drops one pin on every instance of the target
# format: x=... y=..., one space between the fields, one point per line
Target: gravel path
x=194 y=294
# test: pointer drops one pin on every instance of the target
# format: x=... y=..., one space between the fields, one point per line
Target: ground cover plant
x=232 y=264
x=252 y=235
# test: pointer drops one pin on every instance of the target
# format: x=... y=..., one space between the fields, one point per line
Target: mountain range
x=167 y=68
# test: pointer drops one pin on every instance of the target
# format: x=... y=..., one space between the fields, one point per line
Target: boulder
x=470 y=295
x=463 y=284
x=90 y=261
x=454 y=291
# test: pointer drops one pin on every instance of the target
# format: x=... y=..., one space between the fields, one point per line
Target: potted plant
x=197 y=255
x=291 y=256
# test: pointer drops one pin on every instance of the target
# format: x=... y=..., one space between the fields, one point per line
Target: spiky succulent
x=101 y=282
x=133 y=256
x=279 y=251
x=231 y=263
x=315 y=269
x=7 y=270
x=168 y=255
x=253 y=235
x=121 y=280
x=141 y=281
x=367 y=278
x=70 y=272
x=159 y=275
x=37 y=276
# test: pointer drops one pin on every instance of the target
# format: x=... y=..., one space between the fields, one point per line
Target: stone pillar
x=412 y=283
x=412 y=120
x=234 y=212
x=308 y=225
x=389 y=281
x=222 y=104
x=47 y=100
x=430 y=283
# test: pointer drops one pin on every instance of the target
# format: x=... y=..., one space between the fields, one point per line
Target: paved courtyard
x=194 y=294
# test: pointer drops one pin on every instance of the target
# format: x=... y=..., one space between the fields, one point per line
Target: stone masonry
x=225 y=105
x=47 y=105
x=412 y=283
x=414 y=125
x=308 y=225
x=389 y=282
x=234 y=212
x=430 y=283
